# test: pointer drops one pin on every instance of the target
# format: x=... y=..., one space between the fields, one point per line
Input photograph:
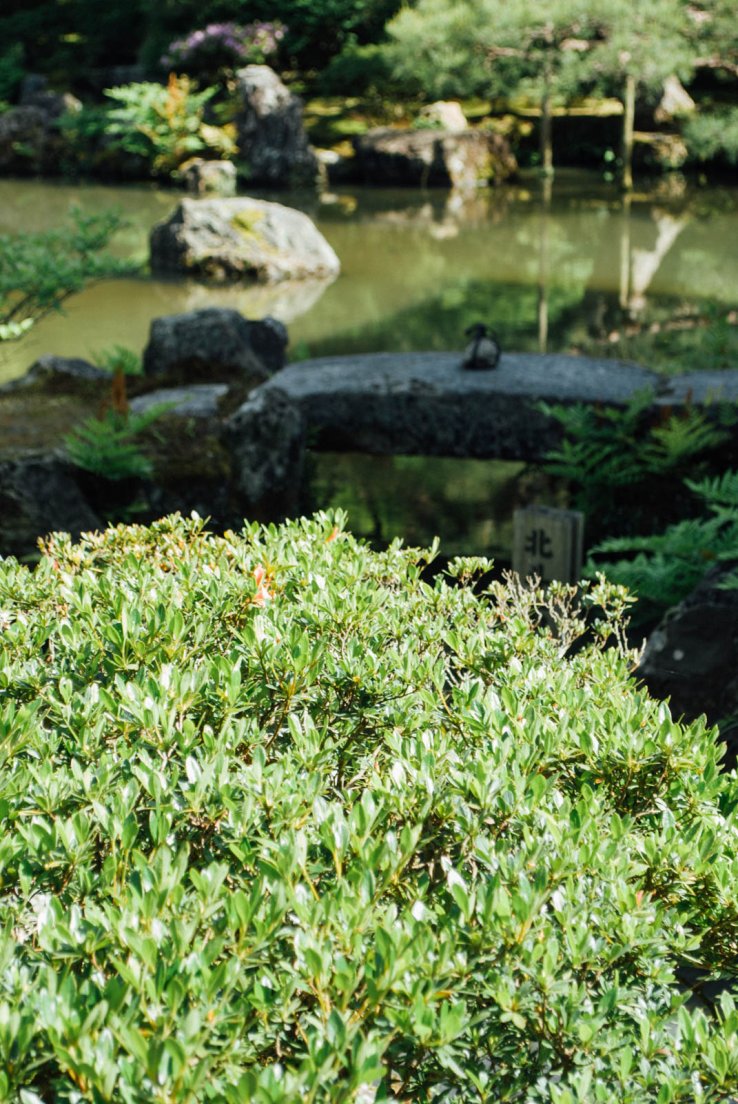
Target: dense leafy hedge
x=282 y=822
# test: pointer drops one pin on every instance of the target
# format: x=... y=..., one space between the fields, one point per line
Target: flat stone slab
x=425 y=404
x=554 y=377
x=702 y=388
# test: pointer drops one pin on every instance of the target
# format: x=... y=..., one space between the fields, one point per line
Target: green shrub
x=663 y=568
x=280 y=822
x=165 y=124
x=87 y=146
x=107 y=446
x=39 y=271
x=358 y=71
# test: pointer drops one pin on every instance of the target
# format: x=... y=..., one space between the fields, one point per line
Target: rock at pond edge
x=240 y=239
x=214 y=345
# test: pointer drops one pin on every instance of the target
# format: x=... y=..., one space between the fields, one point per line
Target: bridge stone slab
x=425 y=404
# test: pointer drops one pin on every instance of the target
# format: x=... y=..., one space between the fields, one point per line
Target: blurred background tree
x=642 y=43
x=495 y=47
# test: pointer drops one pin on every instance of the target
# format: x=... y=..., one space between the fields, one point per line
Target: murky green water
x=468 y=503
x=417 y=268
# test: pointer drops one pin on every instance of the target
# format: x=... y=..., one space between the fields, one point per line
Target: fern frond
x=681 y=438
x=106 y=446
x=720 y=491
x=659 y=580
x=693 y=538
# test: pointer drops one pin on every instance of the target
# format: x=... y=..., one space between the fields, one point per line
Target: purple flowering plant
x=223 y=46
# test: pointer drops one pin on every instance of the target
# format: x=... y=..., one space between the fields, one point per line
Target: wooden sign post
x=548 y=543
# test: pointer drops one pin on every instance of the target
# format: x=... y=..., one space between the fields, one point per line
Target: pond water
x=417 y=267
x=548 y=270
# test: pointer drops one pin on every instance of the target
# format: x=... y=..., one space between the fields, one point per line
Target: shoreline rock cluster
x=274 y=148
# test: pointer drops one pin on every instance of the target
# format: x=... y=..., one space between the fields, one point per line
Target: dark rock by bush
x=214 y=345
x=30 y=140
x=35 y=92
x=271 y=135
x=419 y=158
x=39 y=495
x=266 y=438
x=25 y=139
x=241 y=239
x=692 y=657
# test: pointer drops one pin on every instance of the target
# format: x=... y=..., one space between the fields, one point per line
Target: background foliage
x=664 y=567
x=625 y=466
x=518 y=52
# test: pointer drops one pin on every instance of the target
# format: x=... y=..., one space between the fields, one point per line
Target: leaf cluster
x=281 y=822
x=663 y=568
x=39 y=271
x=107 y=446
x=623 y=462
x=712 y=136
x=165 y=124
x=119 y=358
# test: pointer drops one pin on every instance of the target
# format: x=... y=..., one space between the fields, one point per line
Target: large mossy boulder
x=240 y=239
x=271 y=135
x=461 y=159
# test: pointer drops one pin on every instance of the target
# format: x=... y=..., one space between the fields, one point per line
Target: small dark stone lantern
x=483 y=351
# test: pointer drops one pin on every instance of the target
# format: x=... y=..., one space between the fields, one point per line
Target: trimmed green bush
x=281 y=822
x=713 y=137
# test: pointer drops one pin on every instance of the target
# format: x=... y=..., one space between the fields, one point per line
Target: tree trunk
x=628 y=124
x=546 y=121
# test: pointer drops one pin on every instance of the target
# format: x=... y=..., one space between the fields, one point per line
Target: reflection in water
x=541 y=266
x=287 y=300
x=624 y=284
x=469 y=503
x=645 y=263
